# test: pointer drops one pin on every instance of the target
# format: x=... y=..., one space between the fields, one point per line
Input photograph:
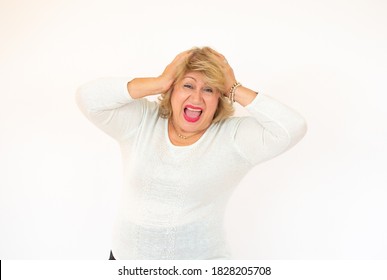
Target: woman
x=183 y=156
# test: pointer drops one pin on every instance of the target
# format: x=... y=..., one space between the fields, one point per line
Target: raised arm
x=141 y=87
x=272 y=127
x=107 y=103
x=117 y=105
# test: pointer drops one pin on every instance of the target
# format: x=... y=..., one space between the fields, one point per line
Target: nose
x=196 y=96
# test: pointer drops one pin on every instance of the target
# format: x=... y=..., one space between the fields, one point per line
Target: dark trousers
x=111 y=257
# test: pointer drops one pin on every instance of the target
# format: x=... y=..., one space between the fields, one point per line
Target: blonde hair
x=201 y=60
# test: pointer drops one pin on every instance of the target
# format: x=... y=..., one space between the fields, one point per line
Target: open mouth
x=192 y=113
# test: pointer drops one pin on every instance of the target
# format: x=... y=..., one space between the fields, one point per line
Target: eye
x=208 y=90
x=188 y=86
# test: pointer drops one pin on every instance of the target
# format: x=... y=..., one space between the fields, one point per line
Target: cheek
x=175 y=101
x=213 y=105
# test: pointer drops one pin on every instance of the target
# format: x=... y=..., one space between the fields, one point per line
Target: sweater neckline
x=187 y=147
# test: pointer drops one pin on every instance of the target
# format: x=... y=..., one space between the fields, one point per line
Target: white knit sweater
x=174 y=197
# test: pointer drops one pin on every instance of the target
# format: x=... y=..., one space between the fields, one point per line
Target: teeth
x=194 y=110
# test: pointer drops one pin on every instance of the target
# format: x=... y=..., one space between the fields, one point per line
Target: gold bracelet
x=232 y=91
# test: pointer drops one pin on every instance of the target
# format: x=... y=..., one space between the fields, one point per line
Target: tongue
x=192 y=114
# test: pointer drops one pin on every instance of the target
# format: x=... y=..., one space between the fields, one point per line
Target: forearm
x=244 y=96
x=142 y=87
x=107 y=104
x=274 y=112
x=278 y=120
x=103 y=94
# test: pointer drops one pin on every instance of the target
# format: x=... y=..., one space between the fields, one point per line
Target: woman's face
x=193 y=103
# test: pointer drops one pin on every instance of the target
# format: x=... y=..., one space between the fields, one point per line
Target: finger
x=185 y=53
x=220 y=58
x=218 y=55
x=181 y=57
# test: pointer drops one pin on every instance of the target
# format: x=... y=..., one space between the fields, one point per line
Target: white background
x=60 y=177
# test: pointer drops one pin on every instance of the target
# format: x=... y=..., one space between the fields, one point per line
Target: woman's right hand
x=142 y=87
x=170 y=72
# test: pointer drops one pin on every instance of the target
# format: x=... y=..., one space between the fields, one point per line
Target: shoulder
x=151 y=107
x=229 y=127
x=235 y=121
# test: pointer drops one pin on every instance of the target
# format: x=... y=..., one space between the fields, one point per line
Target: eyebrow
x=190 y=77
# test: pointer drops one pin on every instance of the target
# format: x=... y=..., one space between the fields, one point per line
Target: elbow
x=80 y=98
x=84 y=98
x=86 y=95
x=303 y=127
x=299 y=130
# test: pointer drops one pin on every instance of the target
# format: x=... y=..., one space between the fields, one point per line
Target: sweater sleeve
x=107 y=103
x=272 y=129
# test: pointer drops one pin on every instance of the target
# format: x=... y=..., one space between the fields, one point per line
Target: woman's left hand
x=227 y=70
x=242 y=95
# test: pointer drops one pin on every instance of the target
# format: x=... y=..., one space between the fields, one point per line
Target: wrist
x=244 y=96
x=163 y=83
x=231 y=92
